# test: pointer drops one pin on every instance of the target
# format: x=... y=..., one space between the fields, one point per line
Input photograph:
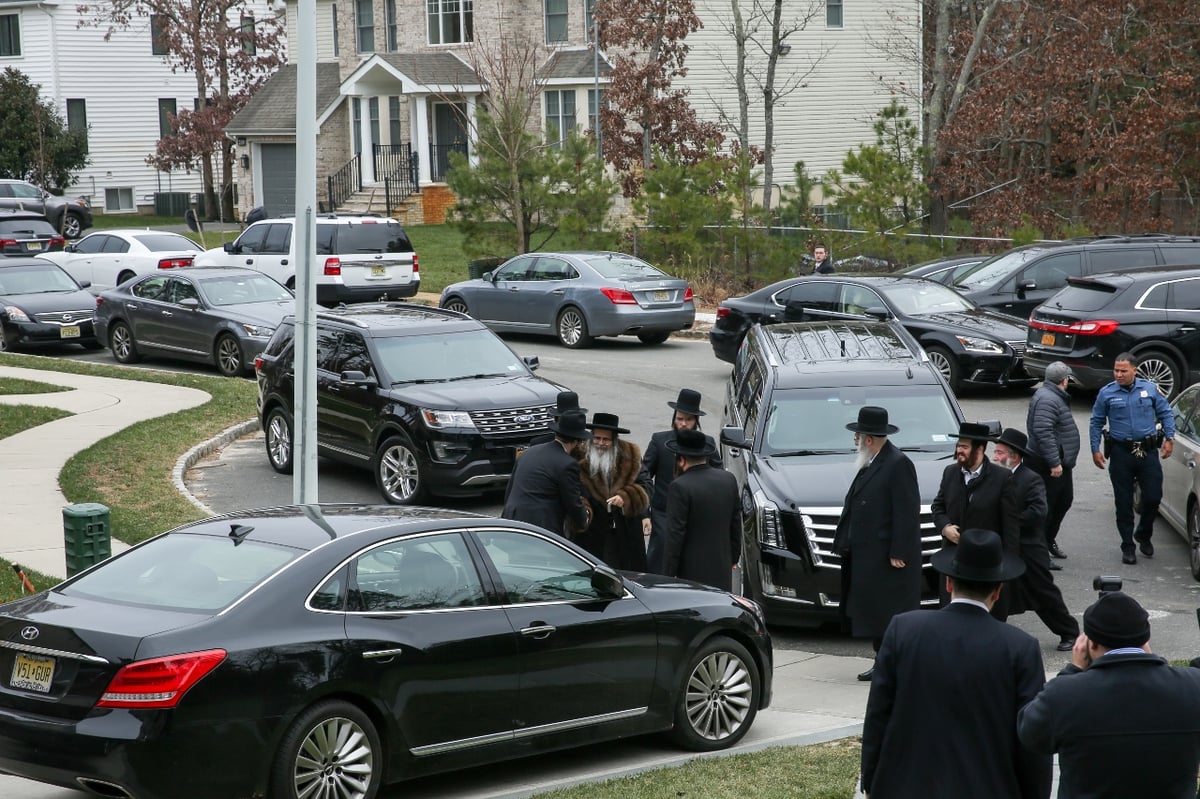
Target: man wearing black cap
x=879 y=533
x=704 y=516
x=1025 y=498
x=948 y=684
x=1123 y=722
x=545 y=487
x=610 y=472
x=658 y=466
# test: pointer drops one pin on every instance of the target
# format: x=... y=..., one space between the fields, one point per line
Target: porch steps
x=371 y=200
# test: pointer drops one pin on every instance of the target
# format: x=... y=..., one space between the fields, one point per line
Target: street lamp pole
x=596 y=80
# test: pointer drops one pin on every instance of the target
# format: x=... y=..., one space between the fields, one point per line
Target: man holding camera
x=1123 y=722
x=1133 y=408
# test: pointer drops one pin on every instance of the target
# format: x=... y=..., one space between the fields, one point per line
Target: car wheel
x=572 y=329
x=121 y=342
x=456 y=304
x=719 y=697
x=331 y=750
x=654 y=338
x=127 y=274
x=72 y=226
x=1193 y=530
x=1160 y=369
x=398 y=471
x=278 y=434
x=7 y=340
x=946 y=363
x=228 y=356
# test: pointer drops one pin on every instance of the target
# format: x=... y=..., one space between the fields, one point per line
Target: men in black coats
x=879 y=533
x=1123 y=722
x=658 y=466
x=941 y=716
x=704 y=516
x=545 y=488
x=1025 y=498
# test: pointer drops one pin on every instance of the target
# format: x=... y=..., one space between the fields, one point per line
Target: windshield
x=243 y=288
x=441 y=357
x=616 y=265
x=924 y=297
x=813 y=420
x=995 y=269
x=35 y=279
x=184 y=572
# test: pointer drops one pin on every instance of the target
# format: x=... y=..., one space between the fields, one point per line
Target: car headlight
x=16 y=314
x=980 y=345
x=440 y=419
x=770 y=528
x=258 y=331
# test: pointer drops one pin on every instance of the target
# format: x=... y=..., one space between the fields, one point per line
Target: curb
x=203 y=449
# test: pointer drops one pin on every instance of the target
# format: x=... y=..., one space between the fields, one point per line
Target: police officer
x=1133 y=409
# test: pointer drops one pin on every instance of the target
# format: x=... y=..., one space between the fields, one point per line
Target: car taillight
x=160 y=682
x=687 y=295
x=99 y=301
x=1088 y=327
x=416 y=266
x=57 y=241
x=8 y=243
x=722 y=312
x=174 y=263
x=258 y=363
x=619 y=296
x=333 y=266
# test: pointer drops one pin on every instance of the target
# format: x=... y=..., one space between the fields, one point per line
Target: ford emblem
x=524 y=418
x=29 y=633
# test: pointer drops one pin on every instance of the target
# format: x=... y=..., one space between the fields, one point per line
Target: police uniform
x=1132 y=414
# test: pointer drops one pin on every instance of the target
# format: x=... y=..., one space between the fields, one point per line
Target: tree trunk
x=769 y=112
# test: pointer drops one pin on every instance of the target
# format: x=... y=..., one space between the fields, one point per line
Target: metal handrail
x=343 y=183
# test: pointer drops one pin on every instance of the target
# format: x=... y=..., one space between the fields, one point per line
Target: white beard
x=602 y=463
x=862 y=457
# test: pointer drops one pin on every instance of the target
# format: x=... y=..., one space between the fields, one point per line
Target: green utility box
x=87 y=538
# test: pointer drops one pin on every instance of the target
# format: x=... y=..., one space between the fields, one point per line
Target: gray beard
x=601 y=463
x=862 y=456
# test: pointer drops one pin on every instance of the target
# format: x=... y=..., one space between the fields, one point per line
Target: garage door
x=279 y=179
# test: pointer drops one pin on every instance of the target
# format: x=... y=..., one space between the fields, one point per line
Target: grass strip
x=15 y=385
x=15 y=418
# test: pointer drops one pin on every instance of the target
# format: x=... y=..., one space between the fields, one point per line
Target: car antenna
x=238 y=533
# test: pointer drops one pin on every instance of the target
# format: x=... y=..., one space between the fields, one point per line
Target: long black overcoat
x=545 y=489
x=704 y=527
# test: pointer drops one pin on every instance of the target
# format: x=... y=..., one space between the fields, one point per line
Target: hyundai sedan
x=577 y=296
x=328 y=650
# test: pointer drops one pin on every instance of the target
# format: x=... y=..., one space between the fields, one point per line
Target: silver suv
x=358 y=258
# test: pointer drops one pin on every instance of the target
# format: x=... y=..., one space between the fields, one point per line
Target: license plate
x=661 y=296
x=34 y=245
x=69 y=332
x=378 y=271
x=1047 y=339
x=32 y=673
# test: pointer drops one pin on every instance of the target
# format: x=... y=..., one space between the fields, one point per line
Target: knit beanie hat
x=1117 y=620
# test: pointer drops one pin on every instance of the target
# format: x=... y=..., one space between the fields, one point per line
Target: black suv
x=1019 y=280
x=430 y=400
x=1153 y=313
x=794 y=388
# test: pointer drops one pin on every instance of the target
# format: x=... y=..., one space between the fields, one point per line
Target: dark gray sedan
x=218 y=315
x=577 y=296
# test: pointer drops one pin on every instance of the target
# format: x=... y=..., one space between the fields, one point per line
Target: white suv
x=358 y=258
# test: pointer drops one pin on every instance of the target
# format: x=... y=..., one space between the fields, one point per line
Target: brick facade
x=436 y=201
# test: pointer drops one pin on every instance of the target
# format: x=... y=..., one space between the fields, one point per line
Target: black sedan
x=218 y=315
x=42 y=304
x=969 y=344
x=944 y=270
x=328 y=650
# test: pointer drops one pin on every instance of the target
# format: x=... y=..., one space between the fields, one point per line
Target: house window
x=120 y=199
x=389 y=10
x=249 y=46
x=77 y=119
x=556 y=21
x=10 y=35
x=158 y=34
x=560 y=115
x=364 y=22
x=450 y=21
x=166 y=117
x=833 y=13
x=592 y=107
x=589 y=6
x=373 y=111
x=337 y=50
x=396 y=136
x=356 y=123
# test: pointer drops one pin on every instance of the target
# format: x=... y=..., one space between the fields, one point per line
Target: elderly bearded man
x=609 y=472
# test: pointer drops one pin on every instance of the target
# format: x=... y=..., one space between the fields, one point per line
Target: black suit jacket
x=1024 y=501
x=545 y=489
x=1128 y=726
x=975 y=505
x=881 y=520
x=941 y=716
x=704 y=527
x=658 y=465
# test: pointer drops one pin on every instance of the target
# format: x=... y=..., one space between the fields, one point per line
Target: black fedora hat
x=566 y=401
x=571 y=424
x=691 y=444
x=979 y=557
x=974 y=431
x=607 y=421
x=1015 y=439
x=688 y=402
x=873 y=421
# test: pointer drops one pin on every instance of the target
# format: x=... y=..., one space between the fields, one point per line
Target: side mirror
x=191 y=303
x=85 y=284
x=354 y=377
x=879 y=313
x=734 y=436
x=69 y=248
x=1026 y=285
x=607 y=582
x=531 y=361
x=488 y=276
x=231 y=247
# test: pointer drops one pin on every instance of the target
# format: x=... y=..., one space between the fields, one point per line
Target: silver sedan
x=577 y=296
x=1181 y=479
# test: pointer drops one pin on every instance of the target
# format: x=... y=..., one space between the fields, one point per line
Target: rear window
x=621 y=266
x=162 y=242
x=184 y=572
x=27 y=228
x=1082 y=297
x=368 y=237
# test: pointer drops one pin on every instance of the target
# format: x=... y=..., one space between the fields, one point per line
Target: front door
x=449 y=135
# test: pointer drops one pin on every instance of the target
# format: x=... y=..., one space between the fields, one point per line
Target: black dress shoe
x=1066 y=644
x=1054 y=567
x=1128 y=558
x=1056 y=552
x=867 y=675
x=1146 y=547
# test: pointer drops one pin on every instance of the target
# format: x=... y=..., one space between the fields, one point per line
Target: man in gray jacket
x=1054 y=441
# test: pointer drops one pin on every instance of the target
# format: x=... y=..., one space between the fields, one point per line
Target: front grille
x=65 y=317
x=512 y=421
x=817 y=535
x=1018 y=347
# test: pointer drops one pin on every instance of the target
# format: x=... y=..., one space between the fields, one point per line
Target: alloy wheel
x=334 y=761
x=1159 y=371
x=719 y=694
x=279 y=441
x=229 y=356
x=399 y=473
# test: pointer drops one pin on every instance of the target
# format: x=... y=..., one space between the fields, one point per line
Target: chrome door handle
x=513 y=288
x=283 y=262
x=249 y=261
x=381 y=654
x=132 y=306
x=734 y=452
x=559 y=291
x=538 y=631
x=167 y=313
